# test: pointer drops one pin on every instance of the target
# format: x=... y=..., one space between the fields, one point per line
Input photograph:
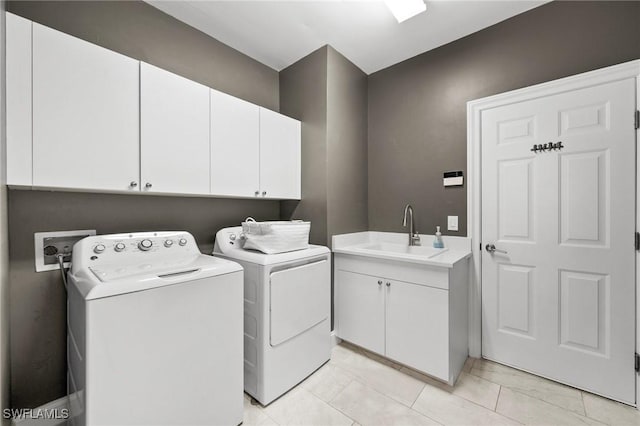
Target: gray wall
x=38 y=299
x=303 y=95
x=329 y=95
x=4 y=234
x=346 y=146
x=417 y=109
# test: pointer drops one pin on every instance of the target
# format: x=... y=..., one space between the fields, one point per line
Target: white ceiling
x=278 y=33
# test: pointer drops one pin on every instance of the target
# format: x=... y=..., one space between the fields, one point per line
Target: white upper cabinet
x=174 y=133
x=83 y=117
x=279 y=155
x=235 y=146
x=85 y=114
x=18 y=93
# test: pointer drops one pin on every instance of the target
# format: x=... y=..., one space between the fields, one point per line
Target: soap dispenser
x=437 y=241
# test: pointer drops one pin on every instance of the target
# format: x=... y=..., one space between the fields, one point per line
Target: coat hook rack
x=544 y=147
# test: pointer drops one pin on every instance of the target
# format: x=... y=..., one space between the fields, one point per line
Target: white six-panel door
x=561 y=301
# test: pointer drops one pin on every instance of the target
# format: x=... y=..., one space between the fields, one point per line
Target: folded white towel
x=273 y=237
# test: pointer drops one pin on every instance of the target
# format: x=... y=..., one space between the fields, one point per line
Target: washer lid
x=115 y=279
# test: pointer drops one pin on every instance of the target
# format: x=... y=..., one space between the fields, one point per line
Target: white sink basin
x=402 y=250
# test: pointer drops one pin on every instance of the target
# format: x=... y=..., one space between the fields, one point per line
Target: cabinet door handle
x=379 y=282
x=388 y=284
x=264 y=193
x=133 y=184
x=148 y=185
x=257 y=193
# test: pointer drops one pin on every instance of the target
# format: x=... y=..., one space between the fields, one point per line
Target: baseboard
x=335 y=340
x=38 y=416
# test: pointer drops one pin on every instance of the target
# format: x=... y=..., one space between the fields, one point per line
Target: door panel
x=174 y=131
x=235 y=146
x=359 y=310
x=583 y=198
x=416 y=329
x=515 y=299
x=279 y=155
x=85 y=114
x=299 y=299
x=566 y=219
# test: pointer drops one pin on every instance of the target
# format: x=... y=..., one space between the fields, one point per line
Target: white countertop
x=394 y=246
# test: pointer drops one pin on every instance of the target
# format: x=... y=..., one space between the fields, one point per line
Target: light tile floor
x=360 y=388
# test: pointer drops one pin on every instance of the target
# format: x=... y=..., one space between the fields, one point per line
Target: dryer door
x=299 y=299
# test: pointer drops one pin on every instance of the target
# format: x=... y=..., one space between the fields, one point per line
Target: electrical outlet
x=49 y=244
x=452 y=223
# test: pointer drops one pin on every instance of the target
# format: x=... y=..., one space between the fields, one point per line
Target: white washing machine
x=287 y=311
x=154 y=332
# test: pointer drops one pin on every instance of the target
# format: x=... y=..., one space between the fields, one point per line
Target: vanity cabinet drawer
x=413 y=273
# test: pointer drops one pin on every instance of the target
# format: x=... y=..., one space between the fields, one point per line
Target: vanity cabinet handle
x=133 y=184
x=148 y=185
x=388 y=284
x=379 y=282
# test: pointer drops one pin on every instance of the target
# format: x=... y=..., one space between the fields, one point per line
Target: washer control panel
x=133 y=248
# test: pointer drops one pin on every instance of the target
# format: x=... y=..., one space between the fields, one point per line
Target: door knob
x=492 y=249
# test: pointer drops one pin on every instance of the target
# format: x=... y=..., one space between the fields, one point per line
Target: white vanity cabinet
x=174 y=133
x=85 y=114
x=411 y=313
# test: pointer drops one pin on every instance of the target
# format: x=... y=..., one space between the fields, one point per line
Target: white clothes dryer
x=287 y=308
x=154 y=332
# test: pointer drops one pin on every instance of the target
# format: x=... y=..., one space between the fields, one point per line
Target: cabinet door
x=85 y=114
x=235 y=146
x=174 y=133
x=359 y=310
x=279 y=155
x=18 y=94
x=417 y=327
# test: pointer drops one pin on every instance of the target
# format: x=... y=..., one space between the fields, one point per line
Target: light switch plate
x=452 y=223
x=49 y=244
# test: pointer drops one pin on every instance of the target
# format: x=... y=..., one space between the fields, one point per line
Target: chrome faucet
x=414 y=238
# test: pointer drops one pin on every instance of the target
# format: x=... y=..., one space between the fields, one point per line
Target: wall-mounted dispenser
x=453 y=178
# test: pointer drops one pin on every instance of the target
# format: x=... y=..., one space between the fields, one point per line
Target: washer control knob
x=183 y=241
x=232 y=237
x=119 y=247
x=145 y=245
x=168 y=243
x=99 y=248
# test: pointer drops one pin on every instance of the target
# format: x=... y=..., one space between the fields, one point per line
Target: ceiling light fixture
x=405 y=9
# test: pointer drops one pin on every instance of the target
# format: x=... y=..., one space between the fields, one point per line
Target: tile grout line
x=495 y=407
x=569 y=412
x=542 y=379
